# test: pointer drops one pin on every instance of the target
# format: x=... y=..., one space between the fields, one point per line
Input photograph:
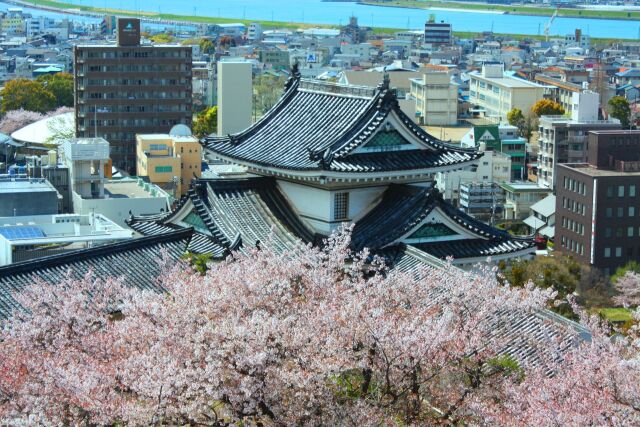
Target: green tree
x=206 y=122
x=61 y=86
x=525 y=124
x=619 y=108
x=162 y=38
x=515 y=117
x=207 y=46
x=267 y=90
x=547 y=107
x=27 y=94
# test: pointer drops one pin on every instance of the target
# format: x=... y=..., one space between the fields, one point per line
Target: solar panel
x=26 y=232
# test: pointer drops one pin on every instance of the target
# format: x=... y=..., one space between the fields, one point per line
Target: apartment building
x=169 y=160
x=436 y=99
x=563 y=139
x=560 y=91
x=496 y=92
x=597 y=211
x=437 y=33
x=125 y=89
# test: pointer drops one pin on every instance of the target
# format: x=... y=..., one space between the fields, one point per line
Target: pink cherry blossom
x=304 y=338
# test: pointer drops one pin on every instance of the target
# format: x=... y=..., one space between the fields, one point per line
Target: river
x=337 y=13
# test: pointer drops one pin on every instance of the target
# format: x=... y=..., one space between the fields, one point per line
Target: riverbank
x=513 y=10
x=172 y=19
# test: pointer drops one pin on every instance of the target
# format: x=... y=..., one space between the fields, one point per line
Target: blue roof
x=632 y=72
x=21 y=232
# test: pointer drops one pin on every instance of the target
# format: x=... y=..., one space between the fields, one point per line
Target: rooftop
x=25 y=185
x=593 y=171
x=519 y=187
x=131 y=189
x=506 y=81
x=42 y=131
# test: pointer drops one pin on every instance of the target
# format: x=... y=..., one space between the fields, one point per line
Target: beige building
x=171 y=161
x=498 y=93
x=436 y=99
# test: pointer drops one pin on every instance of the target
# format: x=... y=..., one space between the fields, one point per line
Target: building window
x=619 y=232
x=632 y=211
x=607 y=232
x=163 y=169
x=620 y=190
x=620 y=212
x=609 y=212
x=609 y=192
x=341 y=206
x=618 y=251
x=629 y=231
x=632 y=191
x=607 y=252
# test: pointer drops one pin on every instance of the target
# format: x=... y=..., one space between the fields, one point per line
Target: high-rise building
x=597 y=212
x=564 y=139
x=235 y=96
x=437 y=33
x=128 y=88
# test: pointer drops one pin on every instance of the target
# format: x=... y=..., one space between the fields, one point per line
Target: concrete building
x=21 y=196
x=123 y=198
x=598 y=219
x=436 y=99
x=30 y=237
x=169 y=160
x=520 y=196
x=559 y=91
x=503 y=139
x=496 y=93
x=493 y=167
x=482 y=200
x=543 y=217
x=563 y=139
x=234 y=96
x=87 y=160
x=127 y=88
x=437 y=33
x=254 y=32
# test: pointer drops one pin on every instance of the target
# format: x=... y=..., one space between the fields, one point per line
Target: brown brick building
x=125 y=89
x=597 y=203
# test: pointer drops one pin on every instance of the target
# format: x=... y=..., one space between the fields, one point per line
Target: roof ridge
x=81 y=254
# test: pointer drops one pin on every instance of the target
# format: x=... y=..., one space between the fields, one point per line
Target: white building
x=254 y=32
x=564 y=139
x=92 y=192
x=235 y=96
x=86 y=159
x=436 y=99
x=28 y=237
x=497 y=93
x=493 y=167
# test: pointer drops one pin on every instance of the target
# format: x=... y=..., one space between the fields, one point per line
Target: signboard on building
x=128 y=32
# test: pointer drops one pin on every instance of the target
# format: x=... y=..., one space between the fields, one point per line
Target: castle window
x=341 y=206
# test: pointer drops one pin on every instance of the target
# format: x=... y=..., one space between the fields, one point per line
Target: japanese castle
x=328 y=154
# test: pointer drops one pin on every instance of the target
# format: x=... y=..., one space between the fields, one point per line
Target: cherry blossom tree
x=628 y=286
x=302 y=338
x=17 y=119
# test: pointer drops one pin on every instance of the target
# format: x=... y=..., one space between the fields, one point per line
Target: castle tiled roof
x=237 y=213
x=318 y=126
x=403 y=207
x=137 y=261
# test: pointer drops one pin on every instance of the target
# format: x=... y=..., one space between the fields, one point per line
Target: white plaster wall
x=316 y=206
x=313 y=204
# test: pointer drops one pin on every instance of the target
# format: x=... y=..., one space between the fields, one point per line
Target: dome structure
x=180 y=130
